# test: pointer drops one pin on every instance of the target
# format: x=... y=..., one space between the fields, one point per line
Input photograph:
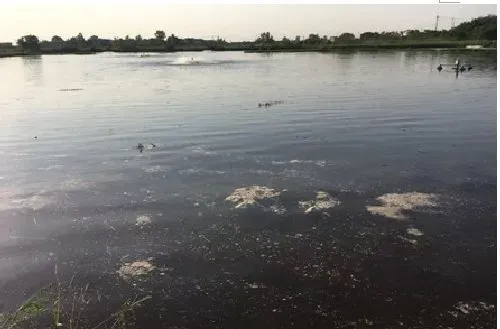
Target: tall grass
x=65 y=306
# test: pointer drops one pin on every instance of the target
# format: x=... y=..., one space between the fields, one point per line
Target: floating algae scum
x=252 y=196
x=143 y=220
x=394 y=205
x=256 y=196
x=323 y=201
x=135 y=270
x=221 y=263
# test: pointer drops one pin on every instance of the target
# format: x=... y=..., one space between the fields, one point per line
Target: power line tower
x=436 y=26
x=452 y=22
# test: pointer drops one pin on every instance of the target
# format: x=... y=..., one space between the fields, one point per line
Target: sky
x=232 y=22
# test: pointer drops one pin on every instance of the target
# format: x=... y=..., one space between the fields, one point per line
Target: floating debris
x=278 y=210
x=319 y=163
x=156 y=169
x=470 y=307
x=411 y=241
x=149 y=146
x=70 y=89
x=414 y=232
x=129 y=271
x=393 y=204
x=143 y=221
x=270 y=103
x=251 y=196
x=323 y=201
x=256 y=286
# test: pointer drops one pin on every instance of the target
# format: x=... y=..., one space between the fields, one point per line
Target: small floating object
x=70 y=89
x=153 y=145
x=140 y=147
x=35 y=137
x=462 y=68
x=270 y=103
x=440 y=67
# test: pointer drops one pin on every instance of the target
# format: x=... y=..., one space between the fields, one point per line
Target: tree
x=313 y=38
x=138 y=37
x=160 y=35
x=265 y=37
x=29 y=43
x=346 y=37
x=484 y=27
x=56 y=39
x=173 y=39
x=93 y=41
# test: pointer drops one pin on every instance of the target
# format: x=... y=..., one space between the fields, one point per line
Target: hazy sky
x=231 y=22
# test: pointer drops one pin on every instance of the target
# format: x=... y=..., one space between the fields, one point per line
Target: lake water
x=356 y=125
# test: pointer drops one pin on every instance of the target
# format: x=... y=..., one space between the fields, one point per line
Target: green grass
x=65 y=306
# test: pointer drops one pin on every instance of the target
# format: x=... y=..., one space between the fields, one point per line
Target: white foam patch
x=52 y=167
x=75 y=184
x=186 y=61
x=471 y=307
x=34 y=202
x=260 y=172
x=320 y=163
x=200 y=149
x=251 y=196
x=130 y=271
x=156 y=169
x=143 y=221
x=278 y=210
x=414 y=232
x=393 y=204
x=322 y=201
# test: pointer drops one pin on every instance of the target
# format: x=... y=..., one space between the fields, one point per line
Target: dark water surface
x=357 y=125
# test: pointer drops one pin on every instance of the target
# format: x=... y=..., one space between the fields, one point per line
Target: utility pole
x=437 y=23
x=452 y=22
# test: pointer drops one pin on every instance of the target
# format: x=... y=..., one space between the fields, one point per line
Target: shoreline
x=339 y=48
x=273 y=48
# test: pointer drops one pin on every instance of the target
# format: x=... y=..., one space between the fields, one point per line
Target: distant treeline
x=482 y=30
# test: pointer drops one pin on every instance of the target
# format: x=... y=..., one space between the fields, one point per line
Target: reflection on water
x=33 y=69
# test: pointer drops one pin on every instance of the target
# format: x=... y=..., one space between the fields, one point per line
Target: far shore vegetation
x=480 y=31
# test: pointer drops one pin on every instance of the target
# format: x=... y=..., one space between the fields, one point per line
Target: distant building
x=297 y=38
x=325 y=38
x=333 y=38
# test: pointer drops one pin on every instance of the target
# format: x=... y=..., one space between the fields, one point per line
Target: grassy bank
x=354 y=45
